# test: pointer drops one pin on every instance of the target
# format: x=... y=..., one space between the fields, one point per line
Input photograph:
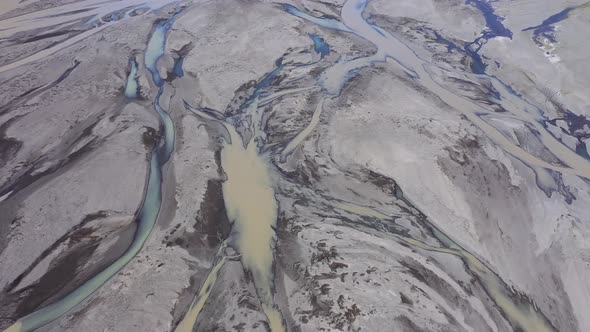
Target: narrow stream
x=190 y=319
x=132 y=86
x=547 y=28
x=96 y=15
x=389 y=47
x=146 y=220
x=521 y=315
x=152 y=200
x=249 y=192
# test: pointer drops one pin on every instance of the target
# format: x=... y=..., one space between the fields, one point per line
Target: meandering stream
x=151 y=203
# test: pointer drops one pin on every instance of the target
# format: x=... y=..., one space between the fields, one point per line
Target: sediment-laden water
x=150 y=207
x=315 y=166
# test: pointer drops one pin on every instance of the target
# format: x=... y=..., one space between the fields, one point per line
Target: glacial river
x=152 y=200
x=521 y=315
x=248 y=191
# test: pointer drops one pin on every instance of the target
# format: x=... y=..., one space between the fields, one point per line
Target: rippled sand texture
x=294 y=166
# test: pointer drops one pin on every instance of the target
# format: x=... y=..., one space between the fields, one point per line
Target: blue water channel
x=546 y=28
x=151 y=204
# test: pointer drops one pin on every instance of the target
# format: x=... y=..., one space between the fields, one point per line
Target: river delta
x=338 y=165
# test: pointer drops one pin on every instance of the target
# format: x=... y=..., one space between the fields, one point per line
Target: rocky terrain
x=354 y=165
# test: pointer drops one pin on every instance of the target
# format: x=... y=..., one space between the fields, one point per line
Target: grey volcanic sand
x=334 y=165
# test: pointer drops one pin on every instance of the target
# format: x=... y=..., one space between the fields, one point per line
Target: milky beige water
x=251 y=207
x=315 y=119
x=522 y=315
x=188 y=322
x=16 y=327
x=250 y=203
